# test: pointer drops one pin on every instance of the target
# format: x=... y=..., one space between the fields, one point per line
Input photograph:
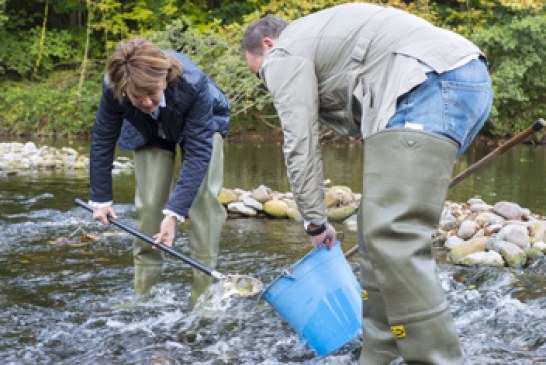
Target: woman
x=151 y=101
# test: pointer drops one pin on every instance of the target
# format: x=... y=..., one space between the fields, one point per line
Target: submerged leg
x=153 y=174
x=207 y=216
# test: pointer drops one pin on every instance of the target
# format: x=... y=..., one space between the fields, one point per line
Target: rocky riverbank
x=473 y=232
x=20 y=158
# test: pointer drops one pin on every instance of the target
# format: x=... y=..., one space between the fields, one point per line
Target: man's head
x=259 y=38
x=141 y=71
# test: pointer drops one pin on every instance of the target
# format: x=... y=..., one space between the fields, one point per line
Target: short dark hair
x=267 y=27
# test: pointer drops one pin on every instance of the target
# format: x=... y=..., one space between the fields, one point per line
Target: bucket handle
x=288 y=274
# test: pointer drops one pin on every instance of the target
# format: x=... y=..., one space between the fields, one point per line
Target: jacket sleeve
x=221 y=109
x=293 y=84
x=105 y=134
x=198 y=132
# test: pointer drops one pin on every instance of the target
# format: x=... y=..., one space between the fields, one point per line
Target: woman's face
x=148 y=103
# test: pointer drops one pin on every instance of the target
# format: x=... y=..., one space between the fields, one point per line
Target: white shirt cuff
x=100 y=205
x=170 y=213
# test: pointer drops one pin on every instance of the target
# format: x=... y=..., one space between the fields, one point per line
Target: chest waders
x=207 y=216
x=154 y=170
x=405 y=312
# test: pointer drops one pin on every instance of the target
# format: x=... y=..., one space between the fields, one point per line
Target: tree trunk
x=86 y=50
x=42 y=40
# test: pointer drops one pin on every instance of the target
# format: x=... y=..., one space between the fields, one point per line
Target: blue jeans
x=454 y=104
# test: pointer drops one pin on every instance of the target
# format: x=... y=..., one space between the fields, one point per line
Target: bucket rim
x=286 y=272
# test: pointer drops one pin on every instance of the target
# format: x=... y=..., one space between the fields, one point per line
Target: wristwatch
x=316 y=231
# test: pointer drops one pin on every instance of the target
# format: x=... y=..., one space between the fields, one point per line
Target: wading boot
x=379 y=346
x=153 y=175
x=207 y=216
x=406 y=177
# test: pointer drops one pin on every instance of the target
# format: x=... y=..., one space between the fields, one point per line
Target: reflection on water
x=64 y=305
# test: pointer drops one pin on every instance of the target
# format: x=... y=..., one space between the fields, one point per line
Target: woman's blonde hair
x=138 y=67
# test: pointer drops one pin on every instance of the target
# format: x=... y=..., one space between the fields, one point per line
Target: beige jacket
x=345 y=67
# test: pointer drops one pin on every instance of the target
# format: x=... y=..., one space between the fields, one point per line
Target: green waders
x=154 y=170
x=406 y=177
x=207 y=216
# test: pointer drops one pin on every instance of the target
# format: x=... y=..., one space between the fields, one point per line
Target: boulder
x=241 y=208
x=490 y=258
x=467 y=229
x=516 y=234
x=512 y=254
x=276 y=208
x=468 y=247
x=227 y=196
x=341 y=213
x=508 y=210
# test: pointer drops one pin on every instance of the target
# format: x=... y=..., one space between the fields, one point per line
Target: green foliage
x=516 y=50
x=214 y=51
x=20 y=49
x=50 y=107
x=511 y=32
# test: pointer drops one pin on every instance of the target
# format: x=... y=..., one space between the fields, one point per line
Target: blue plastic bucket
x=319 y=297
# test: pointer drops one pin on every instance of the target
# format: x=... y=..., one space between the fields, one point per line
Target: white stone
x=453 y=241
x=241 y=208
x=491 y=258
x=516 y=234
x=540 y=246
x=252 y=203
x=29 y=147
x=467 y=229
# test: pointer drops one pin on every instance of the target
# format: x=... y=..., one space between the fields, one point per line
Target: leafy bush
x=51 y=107
x=516 y=50
x=20 y=50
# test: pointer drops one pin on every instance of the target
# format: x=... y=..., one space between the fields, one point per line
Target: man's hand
x=328 y=237
x=101 y=214
x=167 y=229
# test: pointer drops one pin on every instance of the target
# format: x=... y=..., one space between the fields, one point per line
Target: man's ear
x=268 y=43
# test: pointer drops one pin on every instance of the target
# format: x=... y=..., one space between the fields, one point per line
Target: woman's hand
x=167 y=230
x=101 y=214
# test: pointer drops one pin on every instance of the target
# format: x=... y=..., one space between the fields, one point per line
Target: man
x=418 y=95
x=153 y=100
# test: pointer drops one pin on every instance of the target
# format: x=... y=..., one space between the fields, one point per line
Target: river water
x=61 y=304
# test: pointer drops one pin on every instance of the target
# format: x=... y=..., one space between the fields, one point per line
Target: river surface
x=61 y=304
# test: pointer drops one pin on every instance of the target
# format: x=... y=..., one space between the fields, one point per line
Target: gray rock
x=453 y=241
x=261 y=194
x=512 y=254
x=473 y=201
x=467 y=229
x=252 y=203
x=486 y=218
x=508 y=210
x=241 y=208
x=516 y=234
x=480 y=207
x=492 y=229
